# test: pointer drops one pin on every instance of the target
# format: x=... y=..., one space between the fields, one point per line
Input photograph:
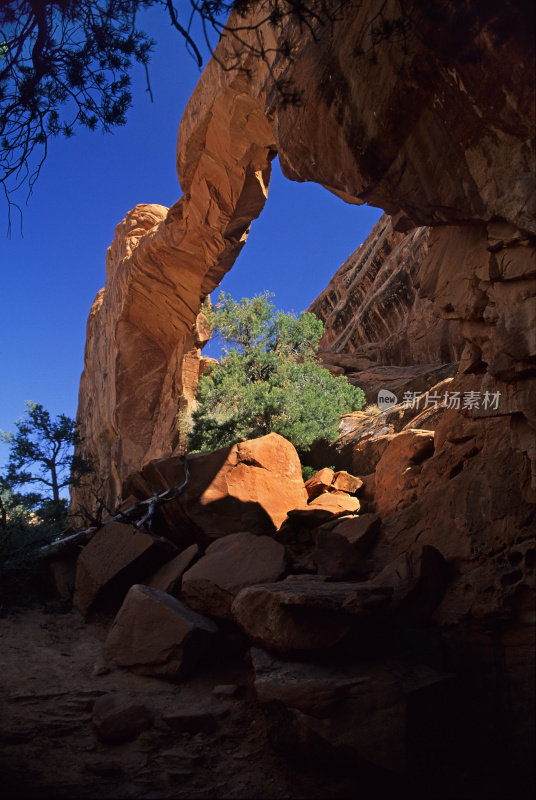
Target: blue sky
x=50 y=275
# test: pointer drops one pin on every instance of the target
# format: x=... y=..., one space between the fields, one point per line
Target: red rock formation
x=372 y=312
x=229 y=565
x=436 y=127
x=433 y=162
x=306 y=612
x=114 y=559
x=168 y=578
x=155 y=634
x=247 y=487
x=142 y=350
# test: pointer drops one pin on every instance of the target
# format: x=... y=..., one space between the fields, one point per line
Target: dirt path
x=51 y=674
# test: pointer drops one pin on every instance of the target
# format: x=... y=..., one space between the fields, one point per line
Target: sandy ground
x=52 y=672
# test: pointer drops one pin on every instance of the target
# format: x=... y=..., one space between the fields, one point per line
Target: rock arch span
x=433 y=138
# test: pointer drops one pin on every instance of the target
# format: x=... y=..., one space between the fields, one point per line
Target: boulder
x=344 y=482
x=169 y=518
x=361 y=531
x=336 y=503
x=307 y=613
x=155 y=634
x=325 y=507
x=312 y=688
x=230 y=564
x=63 y=576
x=249 y=486
x=115 y=558
x=325 y=480
x=319 y=483
x=335 y=556
x=118 y=718
x=372 y=713
x=168 y=578
x=336 y=547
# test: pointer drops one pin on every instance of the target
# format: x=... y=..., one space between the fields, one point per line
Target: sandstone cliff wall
x=371 y=309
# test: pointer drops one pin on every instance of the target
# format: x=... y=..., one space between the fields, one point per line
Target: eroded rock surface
x=118 y=718
x=142 y=356
x=116 y=557
x=366 y=711
x=250 y=486
x=373 y=314
x=168 y=577
x=307 y=614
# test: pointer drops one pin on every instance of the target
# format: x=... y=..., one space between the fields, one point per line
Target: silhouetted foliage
x=41 y=456
x=66 y=63
x=63 y=63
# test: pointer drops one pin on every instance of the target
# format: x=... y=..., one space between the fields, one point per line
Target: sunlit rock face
x=435 y=127
x=145 y=332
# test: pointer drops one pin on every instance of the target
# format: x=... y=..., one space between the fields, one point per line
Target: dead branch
x=143 y=509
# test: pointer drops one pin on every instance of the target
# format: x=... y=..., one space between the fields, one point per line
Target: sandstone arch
x=432 y=139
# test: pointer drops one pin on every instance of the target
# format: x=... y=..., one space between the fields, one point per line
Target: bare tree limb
x=130 y=515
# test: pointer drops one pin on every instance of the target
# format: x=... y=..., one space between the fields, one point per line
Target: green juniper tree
x=269 y=380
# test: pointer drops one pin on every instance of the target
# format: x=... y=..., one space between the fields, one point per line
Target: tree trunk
x=55 y=487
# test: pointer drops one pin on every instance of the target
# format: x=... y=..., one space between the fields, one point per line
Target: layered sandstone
x=434 y=127
x=372 y=312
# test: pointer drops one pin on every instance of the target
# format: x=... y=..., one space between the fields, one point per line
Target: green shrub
x=269 y=380
x=307 y=472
